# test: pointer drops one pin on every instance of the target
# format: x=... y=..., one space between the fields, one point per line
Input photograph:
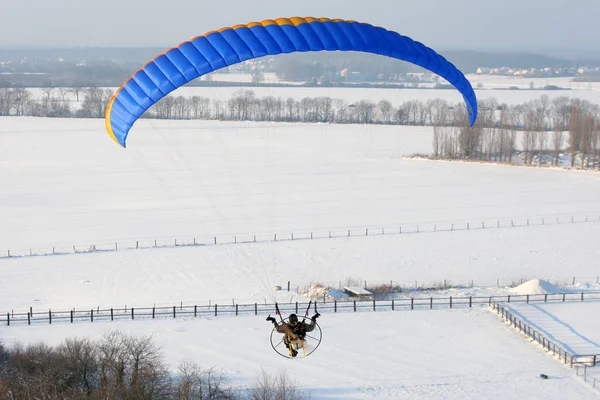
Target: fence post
x=335 y=305
x=255 y=309
x=563 y=297
x=367 y=232
x=412 y=303
x=92 y=315
x=8 y=319
x=174 y=311
x=275 y=237
x=116 y=246
x=470 y=301
x=195 y=310
x=348 y=232
x=509 y=298
x=153 y=311
x=28 y=319
x=392 y=304
x=215 y=309
x=430 y=302
x=296 y=307
x=215 y=239
x=527 y=299
x=236 y=309
x=111 y=314
x=450 y=301
x=354 y=305
x=581 y=296
x=49 y=316
x=373 y=305
x=71 y=316
x=545 y=298
x=132 y=314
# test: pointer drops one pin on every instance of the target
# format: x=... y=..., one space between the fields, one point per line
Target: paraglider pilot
x=294 y=331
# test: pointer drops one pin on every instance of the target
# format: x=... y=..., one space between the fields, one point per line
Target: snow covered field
x=66 y=183
x=405 y=355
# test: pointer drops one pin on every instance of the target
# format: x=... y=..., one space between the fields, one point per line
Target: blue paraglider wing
x=231 y=45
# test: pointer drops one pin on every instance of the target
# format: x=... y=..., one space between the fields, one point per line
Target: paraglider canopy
x=231 y=45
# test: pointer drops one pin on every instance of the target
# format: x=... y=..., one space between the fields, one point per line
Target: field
x=67 y=184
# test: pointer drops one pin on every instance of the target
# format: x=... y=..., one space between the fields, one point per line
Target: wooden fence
x=211 y=240
x=325 y=306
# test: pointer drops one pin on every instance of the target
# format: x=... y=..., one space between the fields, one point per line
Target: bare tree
x=280 y=387
x=385 y=109
x=575 y=129
x=6 y=101
x=557 y=143
x=365 y=110
x=541 y=140
x=76 y=90
x=561 y=112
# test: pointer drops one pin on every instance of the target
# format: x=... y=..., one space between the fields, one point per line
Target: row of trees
x=541 y=129
x=121 y=367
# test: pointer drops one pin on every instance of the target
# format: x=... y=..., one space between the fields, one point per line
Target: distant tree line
x=540 y=127
x=122 y=367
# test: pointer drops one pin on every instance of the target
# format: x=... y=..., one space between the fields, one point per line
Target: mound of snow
x=317 y=292
x=536 y=286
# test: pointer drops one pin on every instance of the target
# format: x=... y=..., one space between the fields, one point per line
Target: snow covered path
x=575 y=326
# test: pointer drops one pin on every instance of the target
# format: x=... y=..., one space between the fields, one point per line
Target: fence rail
x=563 y=355
x=335 y=306
x=340 y=232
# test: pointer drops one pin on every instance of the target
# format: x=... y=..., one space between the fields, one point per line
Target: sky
x=531 y=25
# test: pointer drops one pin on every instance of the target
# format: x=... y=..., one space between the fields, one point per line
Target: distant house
x=483 y=70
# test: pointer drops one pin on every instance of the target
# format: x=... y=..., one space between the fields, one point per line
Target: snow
x=66 y=183
x=536 y=286
x=404 y=355
x=571 y=325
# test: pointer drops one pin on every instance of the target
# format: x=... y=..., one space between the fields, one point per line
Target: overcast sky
x=466 y=24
